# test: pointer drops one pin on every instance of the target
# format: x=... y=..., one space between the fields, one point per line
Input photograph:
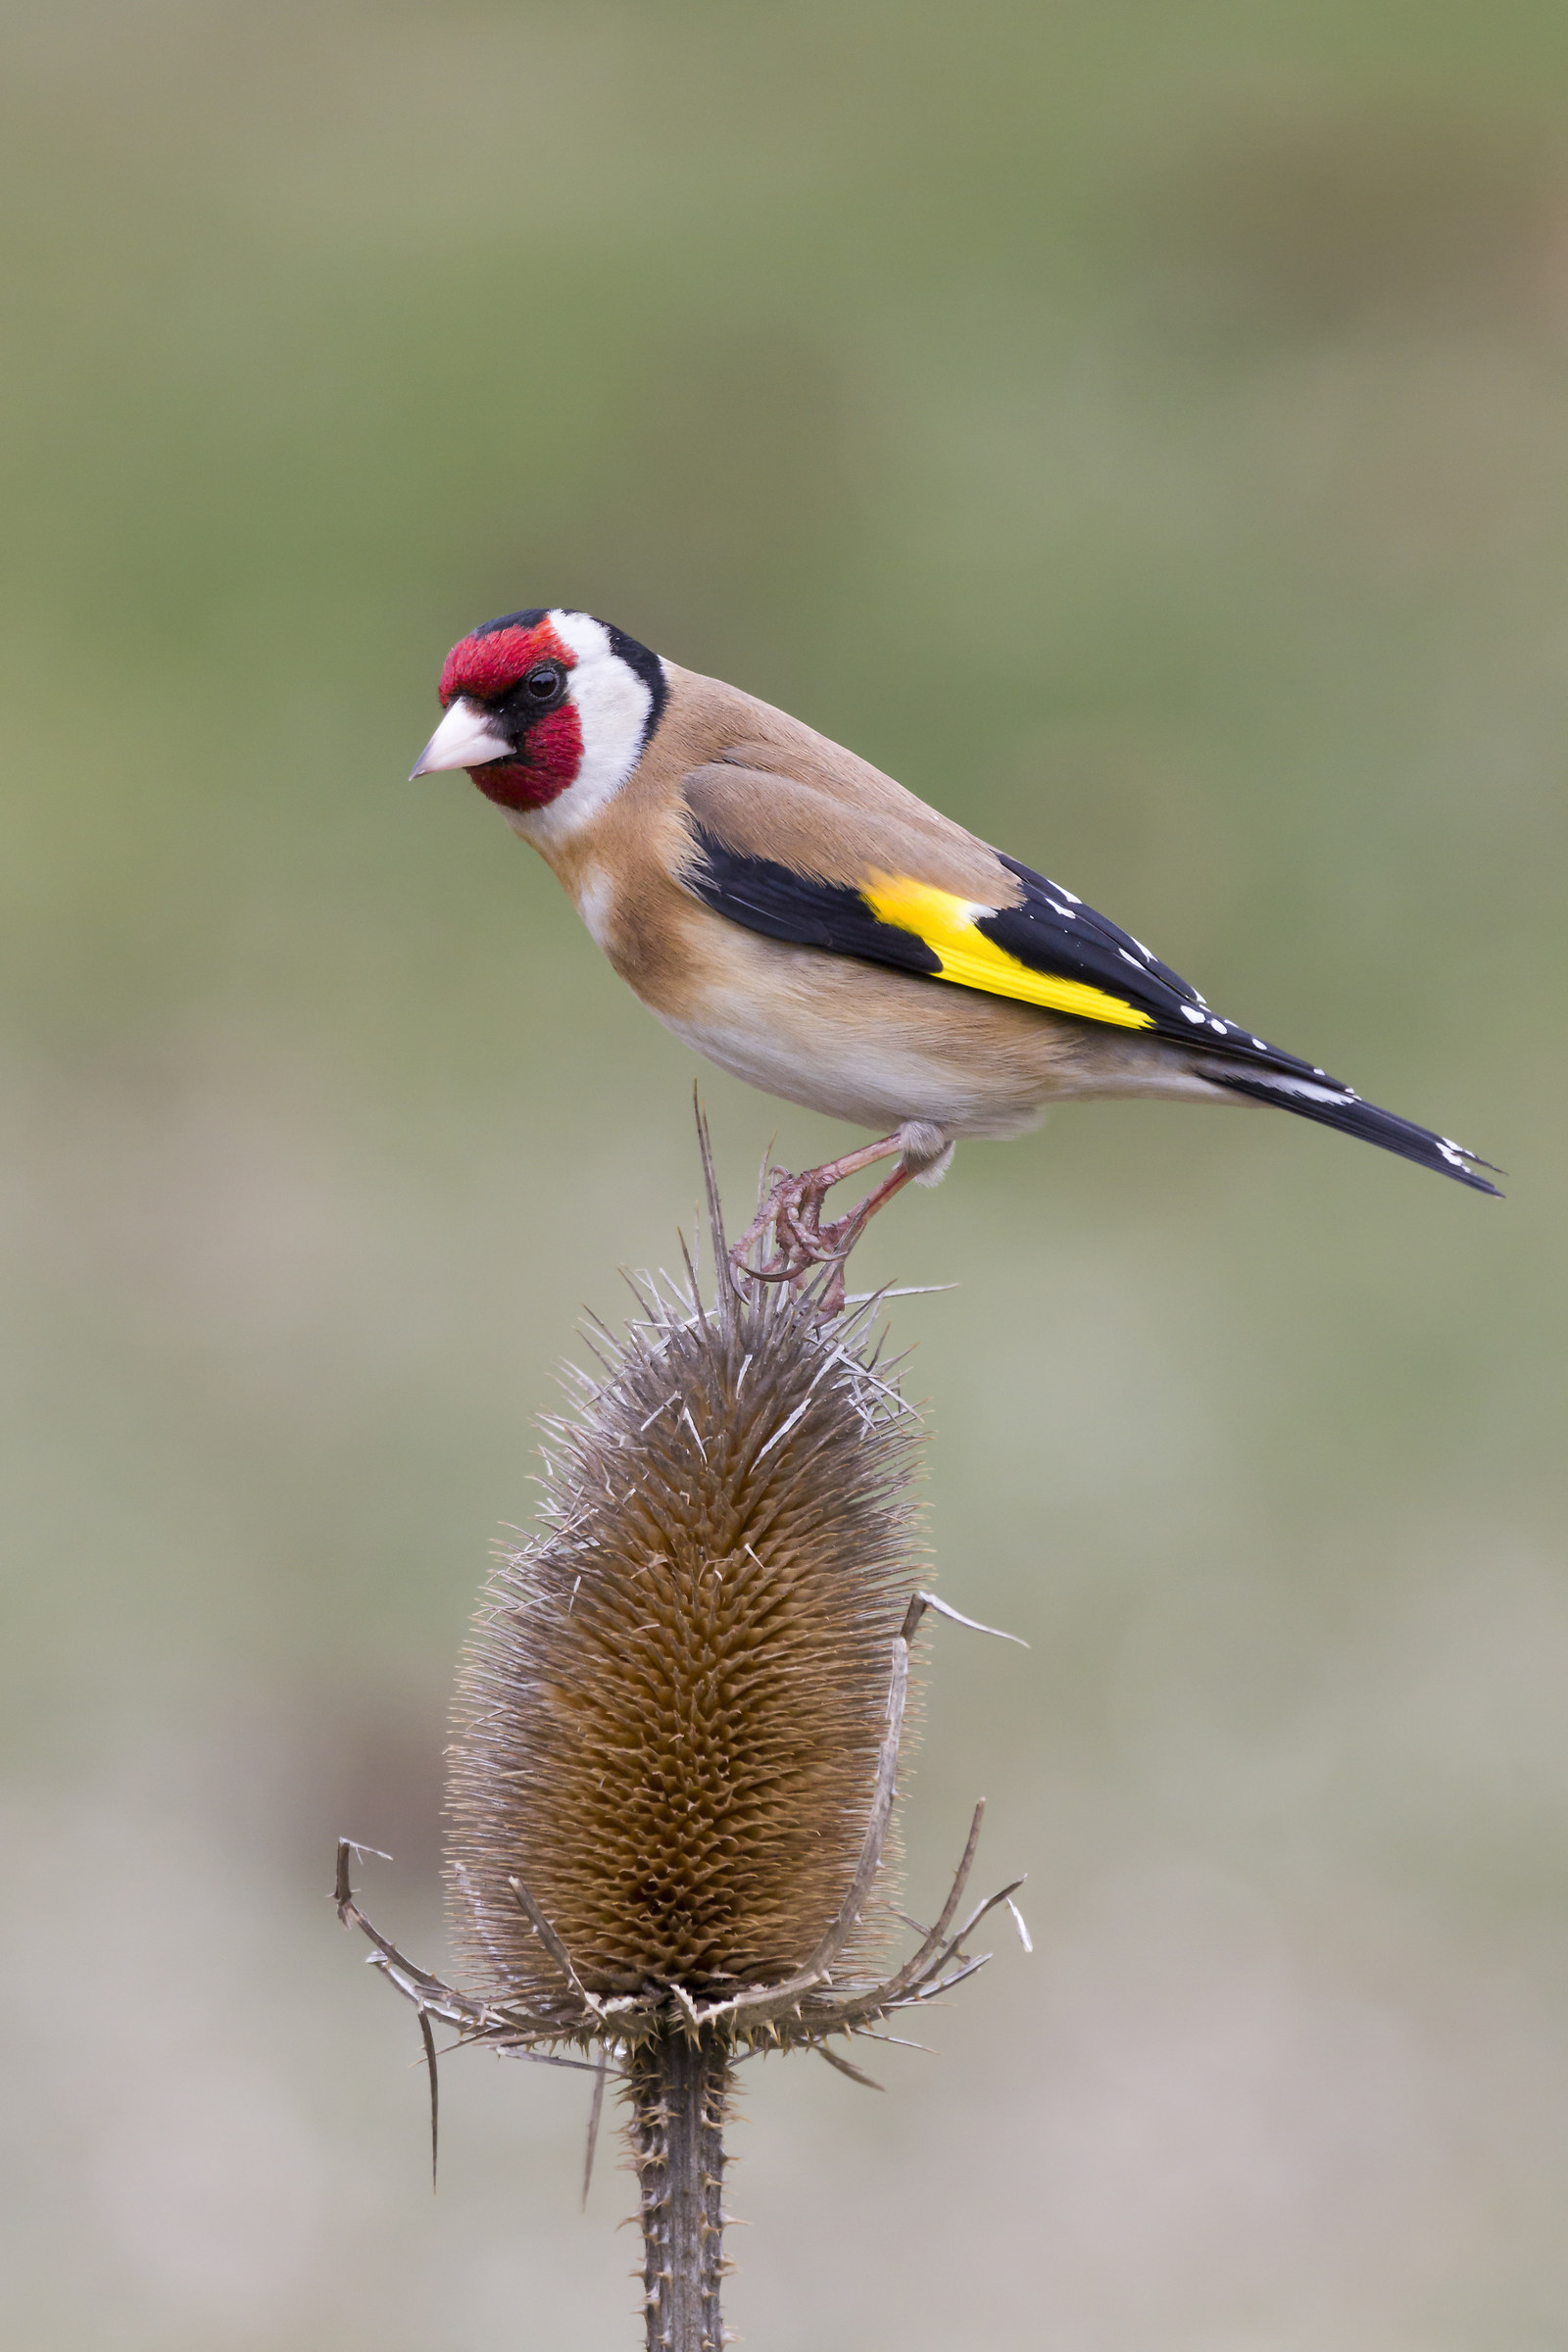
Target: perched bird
x=812 y=926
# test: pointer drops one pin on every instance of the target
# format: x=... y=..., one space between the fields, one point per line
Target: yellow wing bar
x=946 y=925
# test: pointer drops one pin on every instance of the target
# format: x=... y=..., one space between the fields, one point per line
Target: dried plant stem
x=678 y=2088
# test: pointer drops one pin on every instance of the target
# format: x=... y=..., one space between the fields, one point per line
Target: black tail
x=1337 y=1107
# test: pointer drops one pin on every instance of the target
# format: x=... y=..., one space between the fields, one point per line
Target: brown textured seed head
x=669 y=1711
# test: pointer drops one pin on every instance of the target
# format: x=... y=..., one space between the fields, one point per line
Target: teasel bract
x=675 y=1737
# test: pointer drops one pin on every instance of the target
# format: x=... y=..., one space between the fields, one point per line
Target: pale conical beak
x=466 y=737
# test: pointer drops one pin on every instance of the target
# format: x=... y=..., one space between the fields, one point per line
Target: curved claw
x=801 y=1245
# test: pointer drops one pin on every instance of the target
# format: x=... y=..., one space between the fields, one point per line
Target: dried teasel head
x=671 y=1714
x=676 y=1738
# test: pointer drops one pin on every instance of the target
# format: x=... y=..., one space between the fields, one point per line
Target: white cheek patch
x=614 y=706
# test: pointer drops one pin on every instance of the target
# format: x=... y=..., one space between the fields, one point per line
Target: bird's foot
x=798 y=1245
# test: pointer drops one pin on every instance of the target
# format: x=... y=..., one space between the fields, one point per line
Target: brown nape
x=669 y=1717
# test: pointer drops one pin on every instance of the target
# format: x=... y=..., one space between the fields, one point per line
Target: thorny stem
x=678 y=2088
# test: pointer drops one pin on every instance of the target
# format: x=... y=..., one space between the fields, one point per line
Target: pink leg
x=847 y=1231
x=793 y=1214
x=793 y=1210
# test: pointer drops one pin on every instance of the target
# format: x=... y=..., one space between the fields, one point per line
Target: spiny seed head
x=669 y=1714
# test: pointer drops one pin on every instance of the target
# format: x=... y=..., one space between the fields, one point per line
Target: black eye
x=544 y=682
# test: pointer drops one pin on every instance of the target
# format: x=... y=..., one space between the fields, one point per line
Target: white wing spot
x=1065 y=912
x=1302 y=1085
x=1190 y=1013
x=1258 y=1043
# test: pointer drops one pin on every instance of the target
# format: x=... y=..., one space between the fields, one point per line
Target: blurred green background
x=1144 y=428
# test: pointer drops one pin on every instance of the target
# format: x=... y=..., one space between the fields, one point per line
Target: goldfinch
x=812 y=926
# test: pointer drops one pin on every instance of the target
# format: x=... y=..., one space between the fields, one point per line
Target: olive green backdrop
x=1141 y=427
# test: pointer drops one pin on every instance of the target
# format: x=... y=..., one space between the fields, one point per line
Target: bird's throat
x=547 y=764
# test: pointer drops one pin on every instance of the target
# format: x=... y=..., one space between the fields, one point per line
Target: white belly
x=884 y=1049
x=878 y=1081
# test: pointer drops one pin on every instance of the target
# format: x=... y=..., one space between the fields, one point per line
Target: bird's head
x=546 y=709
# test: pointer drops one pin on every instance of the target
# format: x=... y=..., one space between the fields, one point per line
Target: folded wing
x=788 y=860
